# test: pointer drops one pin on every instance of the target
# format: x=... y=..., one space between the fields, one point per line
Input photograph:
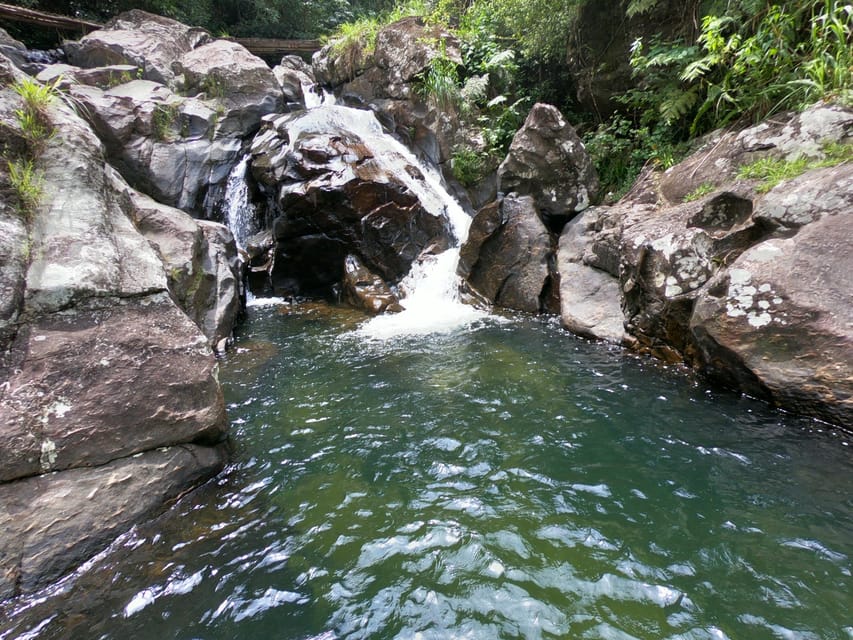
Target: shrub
x=27 y=182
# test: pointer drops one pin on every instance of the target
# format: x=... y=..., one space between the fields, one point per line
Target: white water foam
x=239 y=210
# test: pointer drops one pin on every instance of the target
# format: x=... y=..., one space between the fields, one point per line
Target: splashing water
x=239 y=211
x=431 y=300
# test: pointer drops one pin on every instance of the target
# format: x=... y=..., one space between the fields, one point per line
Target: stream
x=502 y=480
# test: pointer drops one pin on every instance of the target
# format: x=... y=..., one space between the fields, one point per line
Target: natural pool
x=502 y=481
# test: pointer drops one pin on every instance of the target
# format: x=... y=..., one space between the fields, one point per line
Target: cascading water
x=430 y=292
x=239 y=211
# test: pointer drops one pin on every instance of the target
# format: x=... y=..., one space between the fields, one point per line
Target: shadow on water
x=502 y=481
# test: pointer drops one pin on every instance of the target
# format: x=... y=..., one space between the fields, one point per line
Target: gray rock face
x=548 y=161
x=589 y=296
x=342 y=190
x=779 y=321
x=242 y=84
x=163 y=144
x=751 y=288
x=506 y=257
x=292 y=74
x=98 y=361
x=54 y=522
x=146 y=41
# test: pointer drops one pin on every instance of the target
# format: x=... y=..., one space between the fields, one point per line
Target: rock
x=293 y=75
x=781 y=137
x=548 y=161
x=204 y=271
x=13 y=50
x=104 y=380
x=589 y=297
x=506 y=257
x=102 y=77
x=779 y=322
x=365 y=290
x=144 y=40
x=241 y=84
x=98 y=364
x=52 y=523
x=343 y=188
x=163 y=144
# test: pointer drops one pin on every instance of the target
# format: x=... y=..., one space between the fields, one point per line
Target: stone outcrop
x=108 y=383
x=146 y=41
x=363 y=289
x=749 y=287
x=341 y=189
x=506 y=259
x=172 y=106
x=293 y=75
x=548 y=161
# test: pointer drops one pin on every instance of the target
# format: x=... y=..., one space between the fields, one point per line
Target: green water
x=506 y=481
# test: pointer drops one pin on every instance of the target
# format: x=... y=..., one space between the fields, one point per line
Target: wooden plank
x=44 y=19
x=271 y=46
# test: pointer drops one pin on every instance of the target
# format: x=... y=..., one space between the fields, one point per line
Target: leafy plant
x=163 y=120
x=469 y=165
x=772 y=171
x=27 y=181
x=439 y=84
x=700 y=192
x=33 y=116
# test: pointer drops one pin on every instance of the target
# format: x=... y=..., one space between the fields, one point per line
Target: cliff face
x=112 y=306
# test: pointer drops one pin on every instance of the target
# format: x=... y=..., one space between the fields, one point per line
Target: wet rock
x=590 y=301
x=52 y=523
x=342 y=190
x=779 y=322
x=506 y=257
x=363 y=289
x=548 y=161
x=144 y=40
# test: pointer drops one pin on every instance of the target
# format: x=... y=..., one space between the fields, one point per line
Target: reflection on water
x=503 y=481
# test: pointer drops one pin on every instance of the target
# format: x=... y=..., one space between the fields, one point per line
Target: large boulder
x=743 y=285
x=342 y=188
x=590 y=304
x=55 y=521
x=147 y=41
x=295 y=76
x=166 y=145
x=242 y=84
x=779 y=321
x=363 y=289
x=548 y=161
x=99 y=364
x=506 y=258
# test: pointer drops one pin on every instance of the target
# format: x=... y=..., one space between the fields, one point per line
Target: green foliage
x=772 y=171
x=439 y=84
x=470 y=166
x=700 y=192
x=27 y=182
x=541 y=27
x=33 y=116
x=620 y=151
x=164 y=119
x=755 y=60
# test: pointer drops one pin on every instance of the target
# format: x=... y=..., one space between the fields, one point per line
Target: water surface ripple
x=504 y=481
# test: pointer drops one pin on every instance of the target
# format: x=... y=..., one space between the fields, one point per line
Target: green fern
x=638 y=7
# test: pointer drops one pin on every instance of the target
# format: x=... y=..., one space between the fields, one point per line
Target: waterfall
x=239 y=211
